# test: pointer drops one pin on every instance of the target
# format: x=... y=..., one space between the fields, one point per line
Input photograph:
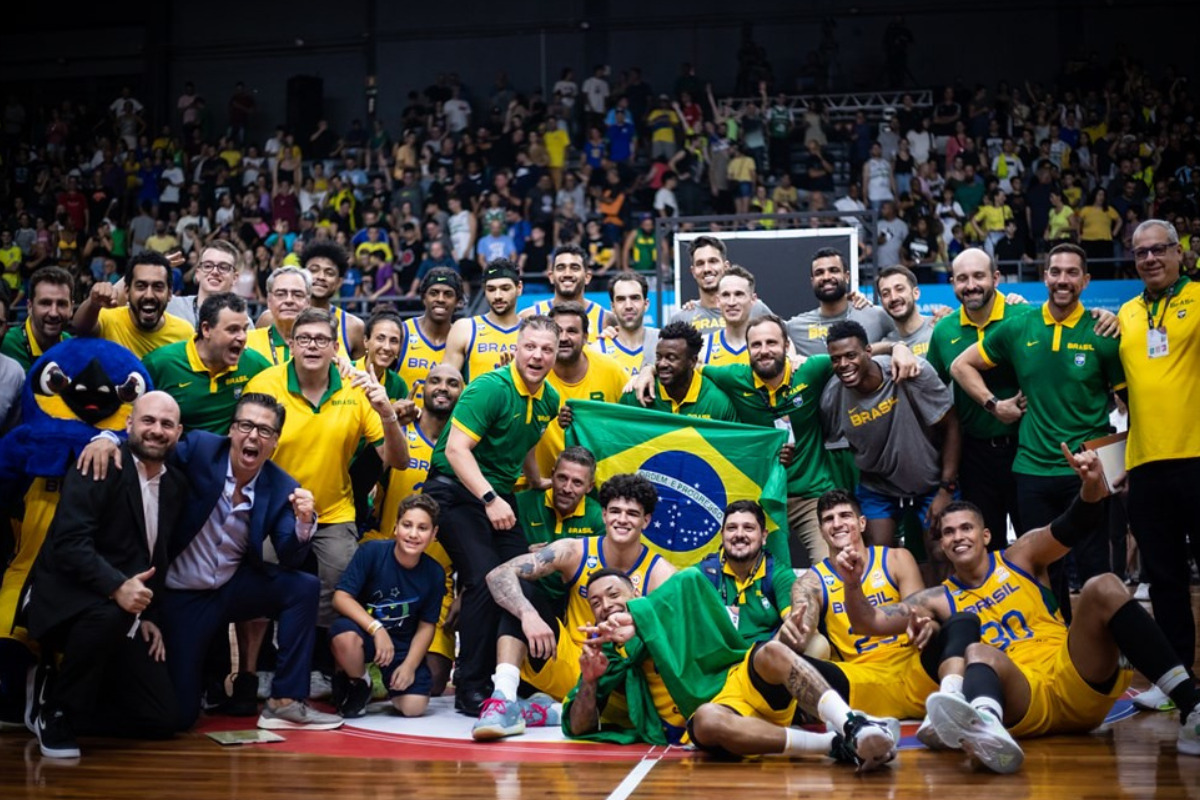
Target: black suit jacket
x=97 y=541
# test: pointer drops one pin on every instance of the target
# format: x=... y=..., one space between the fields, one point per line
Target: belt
x=439 y=478
x=996 y=441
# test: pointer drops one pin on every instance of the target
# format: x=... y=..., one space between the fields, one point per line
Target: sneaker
x=55 y=737
x=540 y=711
x=983 y=736
x=264 y=685
x=319 y=686
x=214 y=697
x=927 y=735
x=379 y=689
x=866 y=742
x=1153 y=699
x=297 y=715
x=340 y=688
x=358 y=694
x=1142 y=593
x=1189 y=734
x=244 y=701
x=498 y=718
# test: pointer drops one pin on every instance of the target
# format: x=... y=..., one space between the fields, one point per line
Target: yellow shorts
x=443 y=642
x=896 y=687
x=559 y=675
x=1061 y=701
x=742 y=695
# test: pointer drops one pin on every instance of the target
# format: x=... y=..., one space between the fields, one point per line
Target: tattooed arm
x=797 y=629
x=891 y=618
x=504 y=582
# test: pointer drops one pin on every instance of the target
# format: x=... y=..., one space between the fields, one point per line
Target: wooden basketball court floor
x=1130 y=760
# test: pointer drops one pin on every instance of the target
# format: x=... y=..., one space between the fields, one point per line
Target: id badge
x=734 y=612
x=785 y=424
x=1156 y=343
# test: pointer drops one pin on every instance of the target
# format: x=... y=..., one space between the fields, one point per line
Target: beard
x=830 y=295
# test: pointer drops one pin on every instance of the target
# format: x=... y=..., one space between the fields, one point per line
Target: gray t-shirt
x=918 y=340
x=889 y=430
x=707 y=320
x=809 y=328
x=187 y=308
x=12 y=380
x=892 y=232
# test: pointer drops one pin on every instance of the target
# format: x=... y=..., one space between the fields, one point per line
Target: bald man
x=93 y=589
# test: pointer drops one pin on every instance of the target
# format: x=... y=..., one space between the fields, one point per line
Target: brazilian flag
x=698 y=467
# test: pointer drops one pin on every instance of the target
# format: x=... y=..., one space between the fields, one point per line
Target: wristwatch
x=990 y=404
x=488 y=497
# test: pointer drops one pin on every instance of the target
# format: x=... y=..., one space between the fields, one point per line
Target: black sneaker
x=214 y=698
x=244 y=702
x=54 y=735
x=38 y=689
x=340 y=685
x=358 y=694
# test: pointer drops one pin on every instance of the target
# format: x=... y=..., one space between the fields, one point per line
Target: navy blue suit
x=257 y=589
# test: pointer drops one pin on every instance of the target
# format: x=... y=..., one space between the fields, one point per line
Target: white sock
x=801 y=742
x=952 y=684
x=990 y=705
x=832 y=709
x=506 y=680
x=1171 y=679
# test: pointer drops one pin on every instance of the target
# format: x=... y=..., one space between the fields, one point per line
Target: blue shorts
x=744 y=188
x=883 y=506
x=422 y=679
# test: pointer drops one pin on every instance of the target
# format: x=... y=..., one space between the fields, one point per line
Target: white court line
x=626 y=787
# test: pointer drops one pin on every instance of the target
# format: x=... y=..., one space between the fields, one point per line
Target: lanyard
x=725 y=590
x=1166 y=305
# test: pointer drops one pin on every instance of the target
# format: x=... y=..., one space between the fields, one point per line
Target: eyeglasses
x=304 y=340
x=284 y=294
x=209 y=266
x=247 y=427
x=1156 y=250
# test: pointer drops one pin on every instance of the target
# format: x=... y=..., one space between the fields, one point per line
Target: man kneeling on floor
x=686 y=675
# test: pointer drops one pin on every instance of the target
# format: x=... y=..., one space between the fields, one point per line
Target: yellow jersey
x=1160 y=429
x=579 y=613
x=880 y=588
x=604 y=381
x=418 y=355
x=630 y=360
x=318 y=442
x=117 y=325
x=718 y=352
x=1020 y=616
x=595 y=315
x=488 y=342
x=343 y=334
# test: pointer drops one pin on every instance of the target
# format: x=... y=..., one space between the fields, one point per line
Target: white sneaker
x=1142 y=593
x=927 y=735
x=984 y=737
x=1189 y=734
x=319 y=687
x=264 y=684
x=1153 y=699
x=866 y=742
x=297 y=715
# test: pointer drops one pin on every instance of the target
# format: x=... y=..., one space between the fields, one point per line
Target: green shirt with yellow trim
x=1066 y=371
x=757 y=605
x=206 y=399
x=951 y=336
x=702 y=401
x=504 y=419
x=543 y=524
x=795 y=404
x=20 y=345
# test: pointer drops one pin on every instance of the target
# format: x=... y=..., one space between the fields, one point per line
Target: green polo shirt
x=20 y=345
x=543 y=524
x=762 y=600
x=797 y=402
x=703 y=400
x=393 y=384
x=504 y=419
x=951 y=336
x=206 y=399
x=1066 y=371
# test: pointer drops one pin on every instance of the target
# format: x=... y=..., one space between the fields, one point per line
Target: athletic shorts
x=1061 y=701
x=749 y=695
x=559 y=675
x=894 y=687
x=443 y=641
x=422 y=678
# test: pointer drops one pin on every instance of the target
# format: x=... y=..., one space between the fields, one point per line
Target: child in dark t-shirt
x=388 y=601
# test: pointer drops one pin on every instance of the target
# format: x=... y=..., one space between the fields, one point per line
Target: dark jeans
x=107 y=683
x=1166 y=526
x=986 y=479
x=1042 y=499
x=475 y=548
x=192 y=618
